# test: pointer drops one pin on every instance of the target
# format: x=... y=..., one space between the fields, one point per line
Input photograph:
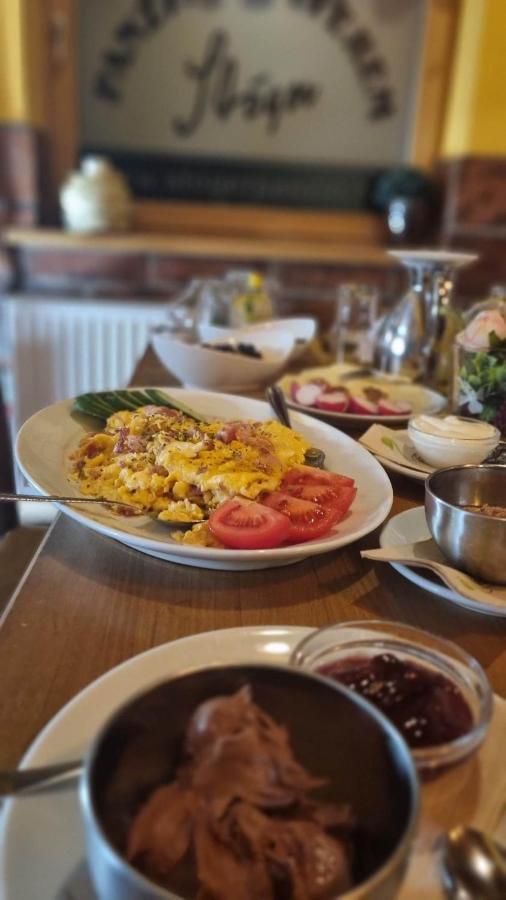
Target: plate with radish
x=330 y=393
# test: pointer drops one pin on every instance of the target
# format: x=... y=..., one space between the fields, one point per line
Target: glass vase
x=417 y=333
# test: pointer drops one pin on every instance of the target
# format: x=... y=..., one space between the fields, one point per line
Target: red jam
x=426 y=707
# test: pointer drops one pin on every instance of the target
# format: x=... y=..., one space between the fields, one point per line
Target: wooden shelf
x=304 y=250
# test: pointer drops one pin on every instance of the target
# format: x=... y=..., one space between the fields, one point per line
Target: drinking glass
x=240 y=298
x=357 y=310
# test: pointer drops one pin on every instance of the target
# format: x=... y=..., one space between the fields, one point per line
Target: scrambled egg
x=178 y=469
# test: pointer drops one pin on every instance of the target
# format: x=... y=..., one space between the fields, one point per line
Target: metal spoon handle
x=12 y=781
x=277 y=400
x=314 y=456
x=55 y=498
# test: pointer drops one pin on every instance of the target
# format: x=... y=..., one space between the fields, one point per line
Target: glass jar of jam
x=436 y=695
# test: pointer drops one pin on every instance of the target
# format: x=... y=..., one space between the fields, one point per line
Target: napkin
x=395 y=446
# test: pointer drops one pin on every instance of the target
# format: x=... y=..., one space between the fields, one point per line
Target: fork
x=119 y=504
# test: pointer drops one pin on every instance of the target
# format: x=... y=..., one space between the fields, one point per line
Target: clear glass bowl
x=358 y=640
x=442 y=451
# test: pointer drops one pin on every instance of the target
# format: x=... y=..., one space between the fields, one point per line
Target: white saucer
x=407 y=449
x=411 y=526
x=392 y=466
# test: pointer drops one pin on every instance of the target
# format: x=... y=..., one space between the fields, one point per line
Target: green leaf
x=488 y=413
x=388 y=443
x=496 y=343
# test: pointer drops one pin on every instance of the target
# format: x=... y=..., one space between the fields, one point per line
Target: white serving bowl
x=205 y=367
x=302 y=330
x=442 y=451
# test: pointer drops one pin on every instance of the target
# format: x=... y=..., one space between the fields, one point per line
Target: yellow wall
x=476 y=120
x=13 y=100
x=21 y=88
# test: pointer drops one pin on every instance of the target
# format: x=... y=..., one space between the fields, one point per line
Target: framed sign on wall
x=293 y=103
x=266 y=117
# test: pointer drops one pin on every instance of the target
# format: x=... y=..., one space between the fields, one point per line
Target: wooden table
x=87 y=603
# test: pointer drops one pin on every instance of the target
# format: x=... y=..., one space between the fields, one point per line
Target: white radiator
x=54 y=349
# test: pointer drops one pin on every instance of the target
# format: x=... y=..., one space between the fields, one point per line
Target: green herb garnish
x=482 y=382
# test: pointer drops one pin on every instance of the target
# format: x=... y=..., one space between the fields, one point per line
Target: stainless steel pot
x=471 y=541
x=334 y=732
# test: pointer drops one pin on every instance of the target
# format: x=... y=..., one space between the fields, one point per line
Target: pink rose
x=476 y=336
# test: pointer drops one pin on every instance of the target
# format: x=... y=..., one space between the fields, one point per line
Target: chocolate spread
x=239 y=810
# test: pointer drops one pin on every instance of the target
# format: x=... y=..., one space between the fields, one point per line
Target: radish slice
x=335 y=401
x=323 y=383
x=307 y=394
x=362 y=407
x=389 y=408
x=294 y=387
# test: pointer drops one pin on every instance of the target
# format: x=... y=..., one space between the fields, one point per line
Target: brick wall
x=475 y=218
x=303 y=288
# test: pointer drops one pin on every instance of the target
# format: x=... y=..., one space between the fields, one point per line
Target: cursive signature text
x=217 y=89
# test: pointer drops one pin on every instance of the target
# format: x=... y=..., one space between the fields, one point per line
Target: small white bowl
x=302 y=330
x=210 y=369
x=442 y=451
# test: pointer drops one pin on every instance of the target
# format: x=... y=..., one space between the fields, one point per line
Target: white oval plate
x=46 y=440
x=421 y=399
x=411 y=526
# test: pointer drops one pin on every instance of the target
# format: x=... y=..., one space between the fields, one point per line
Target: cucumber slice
x=118 y=400
x=103 y=404
x=92 y=405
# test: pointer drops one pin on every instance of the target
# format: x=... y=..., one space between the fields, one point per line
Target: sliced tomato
x=335 y=493
x=309 y=475
x=322 y=494
x=344 y=497
x=245 y=525
x=307 y=520
x=337 y=499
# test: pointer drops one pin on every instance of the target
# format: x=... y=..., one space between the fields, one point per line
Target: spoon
x=56 y=498
x=314 y=456
x=473 y=865
x=13 y=781
x=427 y=555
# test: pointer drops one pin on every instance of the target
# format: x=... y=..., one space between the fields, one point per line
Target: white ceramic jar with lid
x=96 y=198
x=452 y=440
